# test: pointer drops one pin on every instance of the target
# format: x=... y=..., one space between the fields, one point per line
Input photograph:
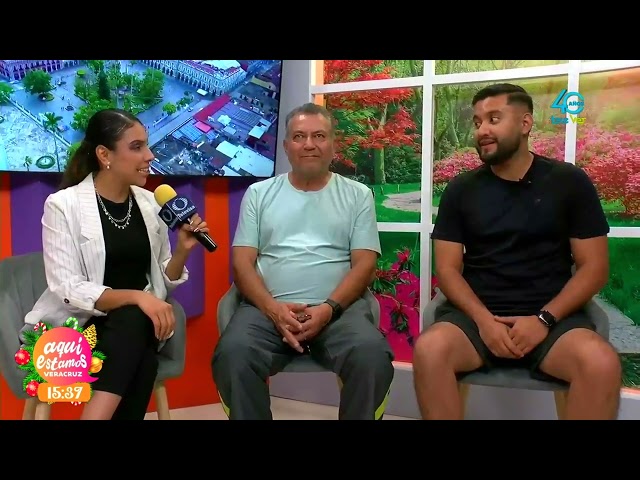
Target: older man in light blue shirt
x=304 y=252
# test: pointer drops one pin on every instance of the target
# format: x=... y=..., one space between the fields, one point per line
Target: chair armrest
x=428 y=314
x=374 y=305
x=12 y=327
x=599 y=317
x=227 y=306
x=176 y=347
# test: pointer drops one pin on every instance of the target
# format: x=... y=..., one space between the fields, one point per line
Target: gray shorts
x=532 y=360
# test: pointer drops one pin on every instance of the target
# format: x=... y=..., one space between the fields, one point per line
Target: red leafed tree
x=370 y=119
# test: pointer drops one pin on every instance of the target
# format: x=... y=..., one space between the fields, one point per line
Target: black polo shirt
x=516 y=233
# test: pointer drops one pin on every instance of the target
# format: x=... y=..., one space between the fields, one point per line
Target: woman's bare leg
x=101 y=406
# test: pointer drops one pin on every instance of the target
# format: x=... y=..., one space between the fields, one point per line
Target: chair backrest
x=231 y=300
x=22 y=281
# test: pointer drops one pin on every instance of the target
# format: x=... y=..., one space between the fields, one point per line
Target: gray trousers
x=251 y=350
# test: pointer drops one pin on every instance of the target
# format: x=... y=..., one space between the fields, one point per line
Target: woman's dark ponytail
x=82 y=163
x=106 y=128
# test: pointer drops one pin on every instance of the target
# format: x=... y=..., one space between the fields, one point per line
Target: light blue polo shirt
x=304 y=239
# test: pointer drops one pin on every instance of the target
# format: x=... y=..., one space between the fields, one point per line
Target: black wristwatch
x=336 y=307
x=547 y=318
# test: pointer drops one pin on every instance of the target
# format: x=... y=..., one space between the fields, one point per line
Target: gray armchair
x=171 y=359
x=518 y=378
x=303 y=364
x=22 y=281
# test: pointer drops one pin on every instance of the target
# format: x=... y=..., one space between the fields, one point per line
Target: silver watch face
x=544 y=320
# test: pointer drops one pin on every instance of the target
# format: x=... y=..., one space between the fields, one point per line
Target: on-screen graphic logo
x=59 y=362
x=571 y=103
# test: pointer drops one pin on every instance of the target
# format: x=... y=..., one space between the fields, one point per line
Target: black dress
x=126 y=335
x=128 y=253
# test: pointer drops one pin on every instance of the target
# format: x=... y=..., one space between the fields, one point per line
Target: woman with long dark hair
x=109 y=262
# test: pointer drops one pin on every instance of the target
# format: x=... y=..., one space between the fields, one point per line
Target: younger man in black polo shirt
x=505 y=239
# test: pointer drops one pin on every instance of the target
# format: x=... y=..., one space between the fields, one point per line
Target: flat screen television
x=203 y=117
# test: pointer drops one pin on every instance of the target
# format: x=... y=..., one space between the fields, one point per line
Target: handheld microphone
x=177 y=210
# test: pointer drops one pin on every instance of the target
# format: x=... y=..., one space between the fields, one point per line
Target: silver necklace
x=120 y=223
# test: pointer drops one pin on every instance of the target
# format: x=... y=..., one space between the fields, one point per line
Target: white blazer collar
x=91 y=227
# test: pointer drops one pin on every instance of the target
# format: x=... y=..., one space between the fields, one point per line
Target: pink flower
x=610 y=158
x=397 y=289
x=403 y=256
x=549 y=145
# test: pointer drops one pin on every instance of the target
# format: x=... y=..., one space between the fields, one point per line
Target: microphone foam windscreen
x=163 y=194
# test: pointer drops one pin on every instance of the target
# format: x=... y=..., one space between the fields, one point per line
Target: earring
x=108 y=166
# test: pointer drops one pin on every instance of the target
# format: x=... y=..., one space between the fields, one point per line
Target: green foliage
x=96 y=66
x=30 y=337
x=37 y=82
x=623 y=287
x=453 y=125
x=103 y=89
x=169 y=108
x=85 y=112
x=630 y=370
x=151 y=86
x=31 y=376
x=99 y=354
x=6 y=90
x=104 y=92
x=468 y=66
x=391 y=242
x=405 y=68
x=623 y=117
x=403 y=166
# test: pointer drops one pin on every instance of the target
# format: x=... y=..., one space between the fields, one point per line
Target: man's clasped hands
x=299 y=323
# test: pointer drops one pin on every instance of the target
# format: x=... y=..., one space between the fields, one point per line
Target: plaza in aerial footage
x=204 y=117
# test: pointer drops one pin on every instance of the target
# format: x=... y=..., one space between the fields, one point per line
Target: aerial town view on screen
x=203 y=117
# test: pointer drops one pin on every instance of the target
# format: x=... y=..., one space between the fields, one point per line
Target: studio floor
x=283 y=409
